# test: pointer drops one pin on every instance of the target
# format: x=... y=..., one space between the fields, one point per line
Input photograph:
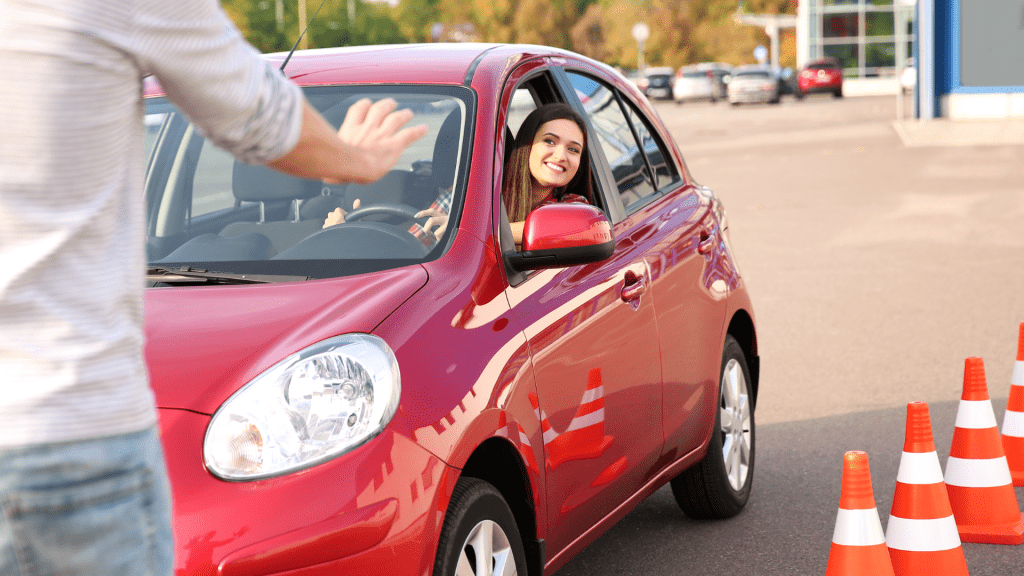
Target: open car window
x=206 y=210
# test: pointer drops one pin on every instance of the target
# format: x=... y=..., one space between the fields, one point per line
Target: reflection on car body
x=388 y=401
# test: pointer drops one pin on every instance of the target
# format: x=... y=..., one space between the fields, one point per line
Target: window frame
x=611 y=189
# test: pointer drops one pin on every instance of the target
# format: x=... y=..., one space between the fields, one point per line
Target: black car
x=657 y=83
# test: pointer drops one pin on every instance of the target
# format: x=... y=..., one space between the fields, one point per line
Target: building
x=968 y=54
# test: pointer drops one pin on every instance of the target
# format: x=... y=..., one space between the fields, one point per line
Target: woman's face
x=556 y=152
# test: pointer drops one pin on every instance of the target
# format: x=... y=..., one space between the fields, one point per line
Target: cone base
x=1011 y=534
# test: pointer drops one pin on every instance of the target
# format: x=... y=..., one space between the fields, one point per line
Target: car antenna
x=289 y=57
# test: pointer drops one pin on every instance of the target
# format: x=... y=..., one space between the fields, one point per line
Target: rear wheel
x=479 y=537
x=838 y=93
x=719 y=485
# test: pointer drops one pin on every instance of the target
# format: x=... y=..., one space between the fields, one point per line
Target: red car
x=353 y=400
x=818 y=76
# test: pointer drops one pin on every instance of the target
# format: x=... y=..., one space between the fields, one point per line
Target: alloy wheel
x=487 y=552
x=735 y=424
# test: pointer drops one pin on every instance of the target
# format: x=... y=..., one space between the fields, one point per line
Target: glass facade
x=862 y=35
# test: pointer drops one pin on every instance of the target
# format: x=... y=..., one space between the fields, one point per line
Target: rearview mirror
x=561 y=235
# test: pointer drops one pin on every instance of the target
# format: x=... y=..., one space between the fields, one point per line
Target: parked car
x=787 y=81
x=823 y=75
x=657 y=82
x=706 y=81
x=693 y=85
x=753 y=85
x=351 y=400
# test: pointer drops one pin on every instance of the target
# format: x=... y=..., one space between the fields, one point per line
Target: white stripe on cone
x=919 y=468
x=922 y=535
x=978 y=472
x=975 y=414
x=1018 y=373
x=1013 y=424
x=595 y=417
x=858 y=528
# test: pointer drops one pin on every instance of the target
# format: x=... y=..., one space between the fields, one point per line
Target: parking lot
x=876 y=269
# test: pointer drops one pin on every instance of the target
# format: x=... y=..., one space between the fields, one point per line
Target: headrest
x=262 y=184
x=446 y=149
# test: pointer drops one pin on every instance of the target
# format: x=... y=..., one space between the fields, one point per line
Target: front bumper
x=371 y=511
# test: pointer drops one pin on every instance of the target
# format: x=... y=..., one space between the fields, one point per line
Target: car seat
x=261 y=184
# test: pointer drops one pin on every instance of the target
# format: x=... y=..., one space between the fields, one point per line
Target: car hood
x=202 y=344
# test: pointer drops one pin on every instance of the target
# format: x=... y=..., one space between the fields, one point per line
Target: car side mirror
x=561 y=235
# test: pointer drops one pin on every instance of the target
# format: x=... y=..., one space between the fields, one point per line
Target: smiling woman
x=549 y=164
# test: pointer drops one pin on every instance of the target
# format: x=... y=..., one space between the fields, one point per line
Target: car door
x=667 y=223
x=594 y=349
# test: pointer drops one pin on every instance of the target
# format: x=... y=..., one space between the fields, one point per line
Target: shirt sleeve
x=237 y=99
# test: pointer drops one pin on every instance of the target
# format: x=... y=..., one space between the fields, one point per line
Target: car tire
x=838 y=93
x=478 y=512
x=799 y=94
x=719 y=485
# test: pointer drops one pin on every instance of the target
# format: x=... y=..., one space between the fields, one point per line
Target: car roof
x=434 y=63
x=659 y=70
x=827 y=61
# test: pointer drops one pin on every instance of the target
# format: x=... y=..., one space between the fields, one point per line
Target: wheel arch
x=741 y=327
x=497 y=462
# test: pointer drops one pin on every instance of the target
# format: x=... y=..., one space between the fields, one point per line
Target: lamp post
x=641 y=32
x=304 y=41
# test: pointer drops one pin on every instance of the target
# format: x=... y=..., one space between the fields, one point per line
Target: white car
x=694 y=85
x=753 y=85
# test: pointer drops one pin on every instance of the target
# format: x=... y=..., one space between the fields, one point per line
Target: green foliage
x=682 y=31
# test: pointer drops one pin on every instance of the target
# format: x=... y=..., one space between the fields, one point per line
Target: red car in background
x=819 y=76
x=352 y=400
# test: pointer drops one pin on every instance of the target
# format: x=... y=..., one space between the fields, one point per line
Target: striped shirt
x=72 y=228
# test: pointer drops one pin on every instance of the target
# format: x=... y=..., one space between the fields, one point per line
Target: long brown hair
x=517 y=183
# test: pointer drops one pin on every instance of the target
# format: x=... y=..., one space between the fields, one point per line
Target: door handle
x=706 y=243
x=635 y=286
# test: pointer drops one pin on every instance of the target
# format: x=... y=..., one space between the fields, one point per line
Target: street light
x=640 y=33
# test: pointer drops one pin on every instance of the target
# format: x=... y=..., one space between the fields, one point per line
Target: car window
x=664 y=172
x=625 y=157
x=204 y=206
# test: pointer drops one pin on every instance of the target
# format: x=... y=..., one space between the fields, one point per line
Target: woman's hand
x=434 y=218
x=338 y=216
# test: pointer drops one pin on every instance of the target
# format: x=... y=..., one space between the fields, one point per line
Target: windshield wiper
x=186 y=275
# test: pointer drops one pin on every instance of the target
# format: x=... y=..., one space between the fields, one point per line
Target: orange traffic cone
x=1013 y=419
x=921 y=533
x=977 y=475
x=858 y=543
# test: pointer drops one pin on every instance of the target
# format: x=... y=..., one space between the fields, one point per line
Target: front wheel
x=479 y=537
x=719 y=485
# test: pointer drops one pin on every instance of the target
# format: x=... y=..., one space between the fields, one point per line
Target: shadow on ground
x=787 y=526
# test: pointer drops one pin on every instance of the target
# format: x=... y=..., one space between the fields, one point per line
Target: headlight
x=312 y=406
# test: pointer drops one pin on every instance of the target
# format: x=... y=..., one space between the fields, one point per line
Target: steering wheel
x=404 y=211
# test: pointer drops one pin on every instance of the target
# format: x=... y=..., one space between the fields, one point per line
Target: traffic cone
x=977 y=474
x=1013 y=418
x=858 y=543
x=921 y=533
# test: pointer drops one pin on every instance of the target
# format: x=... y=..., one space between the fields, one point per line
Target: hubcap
x=486 y=552
x=735 y=418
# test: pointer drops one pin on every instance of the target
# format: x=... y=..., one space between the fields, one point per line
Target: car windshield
x=208 y=211
x=752 y=74
x=695 y=75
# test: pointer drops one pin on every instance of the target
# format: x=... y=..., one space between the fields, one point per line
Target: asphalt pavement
x=877 y=263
